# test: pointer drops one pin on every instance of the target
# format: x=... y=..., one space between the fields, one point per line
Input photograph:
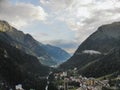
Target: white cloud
x=56 y=5
x=83 y=16
x=91 y=52
x=21 y=14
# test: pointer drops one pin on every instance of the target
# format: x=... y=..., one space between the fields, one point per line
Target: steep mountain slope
x=57 y=53
x=95 y=47
x=27 y=43
x=17 y=67
x=105 y=65
x=104 y=39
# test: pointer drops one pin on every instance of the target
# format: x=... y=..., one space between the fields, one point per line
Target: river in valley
x=48 y=82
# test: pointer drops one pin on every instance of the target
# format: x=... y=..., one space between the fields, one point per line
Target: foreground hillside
x=17 y=67
x=98 y=55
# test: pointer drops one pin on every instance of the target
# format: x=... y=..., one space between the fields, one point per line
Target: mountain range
x=99 y=54
x=24 y=60
x=47 y=54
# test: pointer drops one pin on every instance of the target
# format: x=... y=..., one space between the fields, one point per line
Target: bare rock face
x=4 y=26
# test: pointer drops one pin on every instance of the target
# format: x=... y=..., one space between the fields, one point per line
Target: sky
x=62 y=23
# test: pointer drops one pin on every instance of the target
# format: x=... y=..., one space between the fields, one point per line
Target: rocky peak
x=4 y=26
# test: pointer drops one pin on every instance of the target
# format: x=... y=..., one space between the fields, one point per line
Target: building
x=19 y=87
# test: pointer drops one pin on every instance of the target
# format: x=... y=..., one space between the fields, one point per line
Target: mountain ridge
x=104 y=41
x=28 y=44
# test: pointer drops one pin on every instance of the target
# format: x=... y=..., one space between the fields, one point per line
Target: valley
x=27 y=64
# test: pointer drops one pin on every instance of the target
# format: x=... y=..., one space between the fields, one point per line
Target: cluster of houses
x=80 y=82
x=83 y=83
x=71 y=80
x=92 y=84
x=4 y=86
x=19 y=87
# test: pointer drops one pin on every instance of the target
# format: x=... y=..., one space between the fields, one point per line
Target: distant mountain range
x=47 y=54
x=99 y=54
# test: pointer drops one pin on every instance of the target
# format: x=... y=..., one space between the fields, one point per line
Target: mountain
x=17 y=67
x=28 y=44
x=105 y=65
x=57 y=53
x=97 y=51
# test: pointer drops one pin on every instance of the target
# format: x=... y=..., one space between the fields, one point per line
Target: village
x=71 y=80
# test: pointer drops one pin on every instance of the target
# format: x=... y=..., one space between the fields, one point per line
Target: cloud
x=83 y=16
x=91 y=52
x=21 y=14
x=56 y=5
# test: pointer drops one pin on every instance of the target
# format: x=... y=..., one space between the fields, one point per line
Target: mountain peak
x=111 y=30
x=110 y=27
x=4 y=26
x=116 y=23
x=3 y=21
